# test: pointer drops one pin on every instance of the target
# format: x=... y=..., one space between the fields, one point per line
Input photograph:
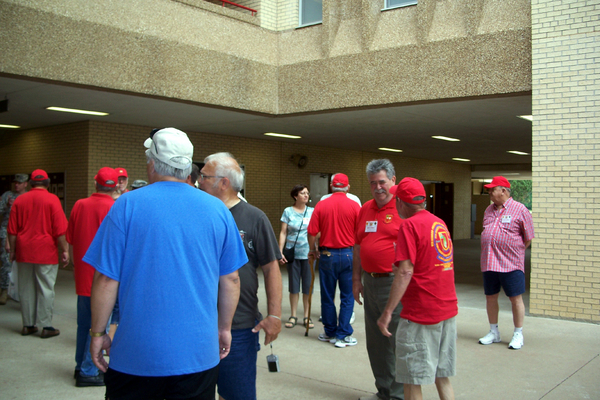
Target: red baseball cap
x=121 y=172
x=498 y=181
x=39 y=175
x=408 y=189
x=340 y=181
x=107 y=176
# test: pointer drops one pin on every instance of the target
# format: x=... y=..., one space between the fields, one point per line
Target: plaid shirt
x=505 y=232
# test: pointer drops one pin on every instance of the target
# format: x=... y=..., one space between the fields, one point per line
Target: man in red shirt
x=335 y=218
x=37 y=223
x=376 y=234
x=85 y=219
x=121 y=183
x=507 y=232
x=424 y=281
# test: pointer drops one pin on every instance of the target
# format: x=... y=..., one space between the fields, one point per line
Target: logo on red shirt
x=440 y=238
x=388 y=218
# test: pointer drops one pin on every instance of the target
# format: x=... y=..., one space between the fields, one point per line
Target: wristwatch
x=97 y=334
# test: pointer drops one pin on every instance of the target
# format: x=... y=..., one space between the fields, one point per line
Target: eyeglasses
x=203 y=177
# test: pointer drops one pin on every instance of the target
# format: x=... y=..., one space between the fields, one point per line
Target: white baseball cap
x=171 y=146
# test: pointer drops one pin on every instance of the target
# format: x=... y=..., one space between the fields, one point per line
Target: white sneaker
x=491 y=337
x=517 y=341
x=347 y=341
x=352 y=318
x=324 y=338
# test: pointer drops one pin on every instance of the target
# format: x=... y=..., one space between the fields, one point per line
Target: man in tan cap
x=6 y=202
x=507 y=232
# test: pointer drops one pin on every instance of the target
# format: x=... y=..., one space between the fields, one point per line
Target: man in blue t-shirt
x=176 y=305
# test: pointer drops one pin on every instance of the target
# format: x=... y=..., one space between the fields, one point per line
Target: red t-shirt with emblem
x=430 y=297
x=37 y=219
x=335 y=217
x=376 y=232
x=85 y=219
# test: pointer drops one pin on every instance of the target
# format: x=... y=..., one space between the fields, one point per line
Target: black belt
x=380 y=275
x=334 y=248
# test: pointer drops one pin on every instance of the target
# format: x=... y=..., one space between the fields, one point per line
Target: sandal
x=310 y=323
x=291 y=322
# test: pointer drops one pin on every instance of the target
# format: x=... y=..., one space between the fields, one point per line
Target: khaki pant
x=36 y=292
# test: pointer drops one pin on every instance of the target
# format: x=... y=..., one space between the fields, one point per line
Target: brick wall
x=81 y=149
x=565 y=276
x=62 y=148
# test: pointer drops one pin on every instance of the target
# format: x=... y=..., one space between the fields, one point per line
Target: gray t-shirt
x=261 y=248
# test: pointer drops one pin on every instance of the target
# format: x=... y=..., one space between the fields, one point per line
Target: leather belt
x=380 y=275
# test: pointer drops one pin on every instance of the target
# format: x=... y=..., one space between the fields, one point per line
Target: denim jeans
x=335 y=268
x=83 y=358
x=237 y=371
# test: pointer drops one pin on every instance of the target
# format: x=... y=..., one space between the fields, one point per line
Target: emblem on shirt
x=243 y=235
x=388 y=218
x=440 y=240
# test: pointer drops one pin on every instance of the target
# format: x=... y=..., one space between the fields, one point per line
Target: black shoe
x=85 y=381
x=49 y=332
x=76 y=373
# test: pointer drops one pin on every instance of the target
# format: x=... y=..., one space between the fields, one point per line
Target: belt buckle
x=326 y=253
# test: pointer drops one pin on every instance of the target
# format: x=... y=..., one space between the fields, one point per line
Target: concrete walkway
x=560 y=359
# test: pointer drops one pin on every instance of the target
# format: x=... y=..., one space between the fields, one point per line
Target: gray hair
x=374 y=166
x=415 y=207
x=505 y=188
x=337 y=189
x=107 y=189
x=165 y=169
x=227 y=166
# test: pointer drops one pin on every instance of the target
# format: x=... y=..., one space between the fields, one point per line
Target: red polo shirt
x=335 y=217
x=376 y=232
x=85 y=219
x=37 y=219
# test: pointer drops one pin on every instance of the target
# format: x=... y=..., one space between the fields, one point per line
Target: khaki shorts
x=425 y=352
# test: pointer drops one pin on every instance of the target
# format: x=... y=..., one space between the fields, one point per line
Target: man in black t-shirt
x=222 y=177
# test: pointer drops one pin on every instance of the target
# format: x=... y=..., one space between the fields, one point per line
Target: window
x=399 y=3
x=311 y=12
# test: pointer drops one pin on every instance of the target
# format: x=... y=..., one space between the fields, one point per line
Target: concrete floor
x=560 y=359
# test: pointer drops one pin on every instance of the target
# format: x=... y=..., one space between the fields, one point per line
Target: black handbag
x=290 y=254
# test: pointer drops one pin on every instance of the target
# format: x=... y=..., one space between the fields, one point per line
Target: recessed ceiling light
x=283 y=135
x=392 y=150
x=527 y=117
x=76 y=111
x=519 y=153
x=449 y=139
x=461 y=159
x=9 y=126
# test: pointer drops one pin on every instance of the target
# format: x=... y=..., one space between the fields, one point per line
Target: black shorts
x=197 y=386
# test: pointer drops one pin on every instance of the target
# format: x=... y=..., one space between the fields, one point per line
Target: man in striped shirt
x=507 y=232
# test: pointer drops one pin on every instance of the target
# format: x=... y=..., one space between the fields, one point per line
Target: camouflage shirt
x=6 y=202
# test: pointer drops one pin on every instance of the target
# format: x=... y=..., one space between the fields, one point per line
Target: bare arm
x=273 y=287
x=63 y=248
x=357 y=286
x=11 y=246
x=527 y=243
x=312 y=247
x=282 y=240
x=229 y=295
x=401 y=281
x=104 y=296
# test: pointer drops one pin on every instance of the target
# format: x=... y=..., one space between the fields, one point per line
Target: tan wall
x=565 y=273
x=197 y=51
x=270 y=174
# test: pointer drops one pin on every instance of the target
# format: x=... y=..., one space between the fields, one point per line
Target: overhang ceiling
x=487 y=127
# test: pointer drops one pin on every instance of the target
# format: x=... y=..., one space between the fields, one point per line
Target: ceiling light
x=527 y=117
x=392 y=150
x=76 y=111
x=519 y=153
x=461 y=159
x=449 y=139
x=9 y=126
x=283 y=135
